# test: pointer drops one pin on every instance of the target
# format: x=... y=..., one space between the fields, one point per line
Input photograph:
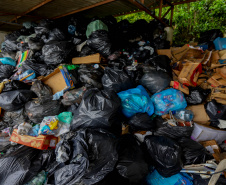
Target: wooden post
x=160 y=9
x=166 y=13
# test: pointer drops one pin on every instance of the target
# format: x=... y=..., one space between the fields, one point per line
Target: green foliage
x=190 y=19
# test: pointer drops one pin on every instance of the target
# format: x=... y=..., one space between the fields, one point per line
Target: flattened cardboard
x=178 y=53
x=200 y=115
x=41 y=142
x=214 y=57
x=166 y=52
x=59 y=80
x=90 y=59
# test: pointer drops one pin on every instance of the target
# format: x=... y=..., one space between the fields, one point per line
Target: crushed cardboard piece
x=179 y=86
x=200 y=115
x=90 y=59
x=178 y=53
x=166 y=52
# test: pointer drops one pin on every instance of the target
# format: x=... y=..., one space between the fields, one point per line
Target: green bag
x=94 y=26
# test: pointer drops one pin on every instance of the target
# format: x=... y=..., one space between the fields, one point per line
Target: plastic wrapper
x=15 y=85
x=24 y=128
x=38 y=68
x=55 y=35
x=90 y=76
x=56 y=53
x=215 y=111
x=165 y=154
x=36 y=111
x=168 y=100
x=98 y=109
x=116 y=80
x=174 y=132
x=197 y=95
x=50 y=125
x=193 y=152
x=141 y=122
x=100 y=42
x=8 y=61
x=35 y=43
x=135 y=101
x=15 y=100
x=6 y=71
x=41 y=90
x=22 y=164
x=155 y=81
x=10 y=46
x=95 y=155
x=131 y=162
x=73 y=96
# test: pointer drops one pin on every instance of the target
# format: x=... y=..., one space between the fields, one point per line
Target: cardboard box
x=91 y=59
x=41 y=142
x=177 y=85
x=200 y=115
x=178 y=53
x=59 y=80
x=211 y=146
x=166 y=52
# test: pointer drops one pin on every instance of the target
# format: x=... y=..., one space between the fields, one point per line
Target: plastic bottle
x=186 y=115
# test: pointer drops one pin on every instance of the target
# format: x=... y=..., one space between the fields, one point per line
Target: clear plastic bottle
x=186 y=115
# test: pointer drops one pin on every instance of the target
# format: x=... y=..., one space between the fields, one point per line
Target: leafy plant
x=190 y=19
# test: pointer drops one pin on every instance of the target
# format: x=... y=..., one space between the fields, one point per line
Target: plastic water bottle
x=186 y=115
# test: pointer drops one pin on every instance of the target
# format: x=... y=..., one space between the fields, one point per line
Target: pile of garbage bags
x=99 y=102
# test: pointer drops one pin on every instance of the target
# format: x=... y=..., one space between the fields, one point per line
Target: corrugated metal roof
x=9 y=9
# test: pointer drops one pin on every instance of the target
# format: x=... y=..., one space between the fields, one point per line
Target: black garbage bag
x=209 y=36
x=15 y=100
x=161 y=63
x=114 y=178
x=197 y=95
x=193 y=152
x=173 y=132
x=86 y=50
x=22 y=47
x=15 y=85
x=100 y=42
x=35 y=43
x=165 y=154
x=21 y=165
x=13 y=36
x=55 y=35
x=10 y=54
x=88 y=156
x=43 y=91
x=131 y=162
x=135 y=75
x=15 y=117
x=215 y=111
x=43 y=28
x=155 y=81
x=36 y=110
x=90 y=76
x=10 y=46
x=141 y=122
x=161 y=43
x=38 y=68
x=6 y=71
x=116 y=80
x=56 y=53
x=98 y=109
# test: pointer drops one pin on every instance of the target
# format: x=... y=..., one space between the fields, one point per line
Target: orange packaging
x=41 y=142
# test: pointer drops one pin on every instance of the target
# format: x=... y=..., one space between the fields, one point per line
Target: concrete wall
x=2 y=36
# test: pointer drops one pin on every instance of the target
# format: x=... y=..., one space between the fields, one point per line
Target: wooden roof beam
x=31 y=9
x=84 y=8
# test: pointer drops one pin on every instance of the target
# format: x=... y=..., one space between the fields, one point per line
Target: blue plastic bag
x=168 y=100
x=8 y=61
x=220 y=43
x=155 y=178
x=135 y=101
